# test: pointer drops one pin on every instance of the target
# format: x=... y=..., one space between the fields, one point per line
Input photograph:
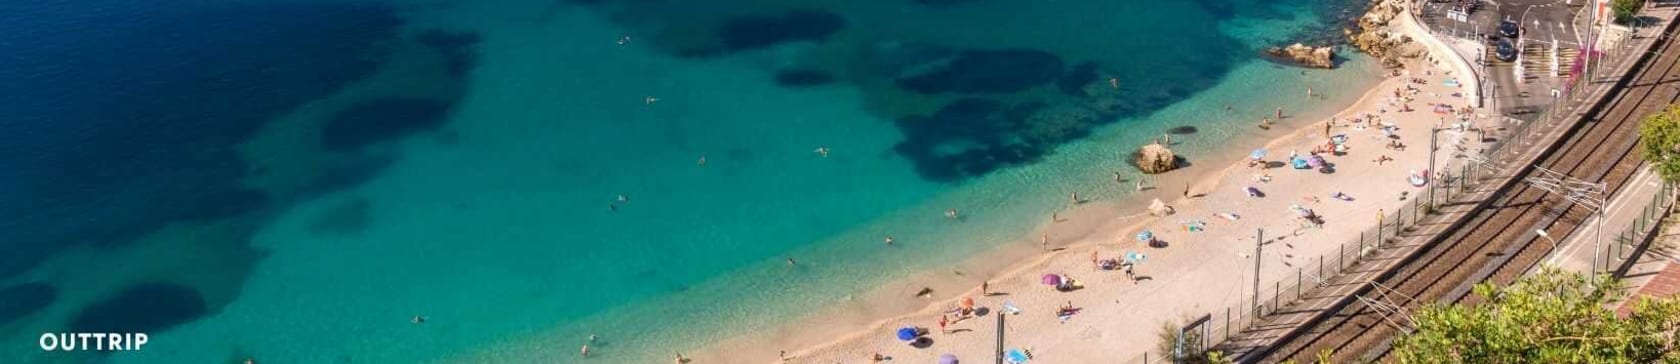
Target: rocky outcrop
x=1372 y=33
x=1315 y=57
x=1156 y=158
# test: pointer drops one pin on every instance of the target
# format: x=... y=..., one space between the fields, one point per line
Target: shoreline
x=1083 y=227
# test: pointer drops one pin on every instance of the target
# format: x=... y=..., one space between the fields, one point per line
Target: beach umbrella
x=1257 y=154
x=1015 y=356
x=968 y=303
x=1051 y=280
x=1135 y=257
x=907 y=333
x=947 y=359
x=1145 y=236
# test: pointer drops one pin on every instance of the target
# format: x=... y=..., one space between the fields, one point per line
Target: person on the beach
x=1044 y=240
x=944 y=320
x=782 y=355
x=1129 y=274
x=1380 y=216
x=1279 y=113
x=1074 y=197
x=1186 y=190
x=1055 y=217
x=889 y=239
x=679 y=359
x=1140 y=184
x=985 y=288
x=1117 y=178
x=1309 y=92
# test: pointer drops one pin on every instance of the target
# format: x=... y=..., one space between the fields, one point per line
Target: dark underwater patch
x=147 y=307
x=24 y=299
x=346 y=217
x=1181 y=130
x=757 y=31
x=458 y=48
x=803 y=78
x=381 y=120
x=988 y=71
x=131 y=112
x=1073 y=83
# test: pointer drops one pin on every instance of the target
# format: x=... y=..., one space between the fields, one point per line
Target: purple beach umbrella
x=1052 y=280
x=947 y=359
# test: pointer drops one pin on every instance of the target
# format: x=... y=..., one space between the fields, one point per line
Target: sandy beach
x=1195 y=273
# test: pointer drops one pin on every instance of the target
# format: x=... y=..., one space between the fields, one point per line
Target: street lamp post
x=1543 y=234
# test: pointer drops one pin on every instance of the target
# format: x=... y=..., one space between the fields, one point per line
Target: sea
x=406 y=181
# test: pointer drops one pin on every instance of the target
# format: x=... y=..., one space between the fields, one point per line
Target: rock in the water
x=1315 y=57
x=1156 y=158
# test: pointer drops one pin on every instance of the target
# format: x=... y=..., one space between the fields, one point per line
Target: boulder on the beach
x=1315 y=57
x=1156 y=158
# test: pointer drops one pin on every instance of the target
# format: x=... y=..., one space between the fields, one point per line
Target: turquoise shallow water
x=500 y=223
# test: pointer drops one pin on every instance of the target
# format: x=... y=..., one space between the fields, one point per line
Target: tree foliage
x=1660 y=142
x=1550 y=317
x=1625 y=10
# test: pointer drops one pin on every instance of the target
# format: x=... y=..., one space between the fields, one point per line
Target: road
x=1498 y=243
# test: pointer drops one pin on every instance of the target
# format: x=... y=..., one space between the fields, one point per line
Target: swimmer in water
x=1114 y=82
x=624 y=40
x=889 y=239
x=650 y=100
x=621 y=198
x=702 y=161
x=790 y=262
x=418 y=319
x=951 y=213
x=822 y=151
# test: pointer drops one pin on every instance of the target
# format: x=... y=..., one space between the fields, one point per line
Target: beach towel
x=1009 y=306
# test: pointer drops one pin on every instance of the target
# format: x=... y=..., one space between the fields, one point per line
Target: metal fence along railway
x=1498 y=244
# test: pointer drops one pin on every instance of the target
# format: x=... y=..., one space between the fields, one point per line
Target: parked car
x=1505 y=51
x=1508 y=28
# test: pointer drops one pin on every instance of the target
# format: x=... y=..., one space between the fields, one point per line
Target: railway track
x=1498 y=244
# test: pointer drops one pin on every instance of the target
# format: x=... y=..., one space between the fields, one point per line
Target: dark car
x=1505 y=51
x=1508 y=28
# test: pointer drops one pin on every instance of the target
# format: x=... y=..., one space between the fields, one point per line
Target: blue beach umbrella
x=907 y=333
x=1257 y=154
x=1015 y=356
x=1145 y=235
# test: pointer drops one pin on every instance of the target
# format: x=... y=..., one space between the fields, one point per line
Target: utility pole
x=1259 y=239
x=1431 y=172
x=1586 y=194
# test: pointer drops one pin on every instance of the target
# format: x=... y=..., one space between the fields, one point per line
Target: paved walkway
x=1577 y=251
